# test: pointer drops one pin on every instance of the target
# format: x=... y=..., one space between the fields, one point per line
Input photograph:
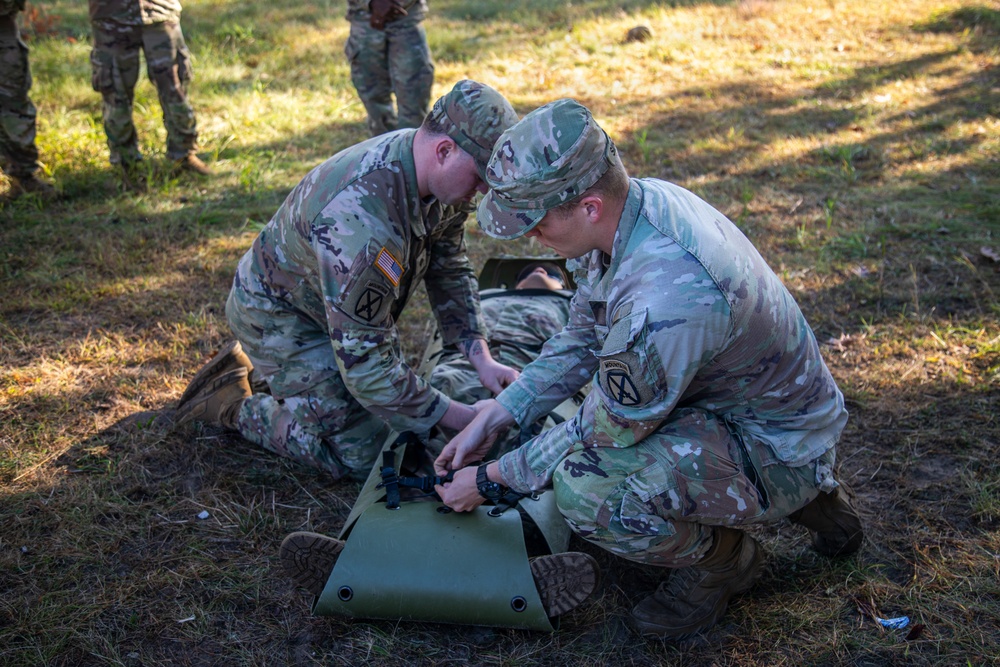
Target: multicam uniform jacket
x=684 y=314
x=135 y=12
x=357 y=10
x=519 y=322
x=11 y=6
x=326 y=279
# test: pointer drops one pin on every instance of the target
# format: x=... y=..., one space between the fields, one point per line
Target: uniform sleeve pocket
x=369 y=294
x=623 y=333
x=630 y=373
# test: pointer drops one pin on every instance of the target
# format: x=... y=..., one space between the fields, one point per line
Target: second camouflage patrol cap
x=547 y=159
x=474 y=115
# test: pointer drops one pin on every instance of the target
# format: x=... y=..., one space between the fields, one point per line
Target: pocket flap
x=623 y=333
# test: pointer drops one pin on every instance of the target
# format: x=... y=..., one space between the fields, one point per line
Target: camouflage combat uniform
x=17 y=113
x=396 y=61
x=121 y=29
x=518 y=322
x=711 y=405
x=315 y=300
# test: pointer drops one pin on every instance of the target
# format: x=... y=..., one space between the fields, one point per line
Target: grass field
x=857 y=143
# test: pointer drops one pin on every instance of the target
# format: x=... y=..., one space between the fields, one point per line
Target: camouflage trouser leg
x=656 y=502
x=114 y=62
x=168 y=64
x=411 y=71
x=17 y=113
x=395 y=60
x=321 y=426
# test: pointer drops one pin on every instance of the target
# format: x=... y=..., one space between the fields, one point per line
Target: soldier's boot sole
x=564 y=580
x=308 y=559
x=833 y=522
x=230 y=356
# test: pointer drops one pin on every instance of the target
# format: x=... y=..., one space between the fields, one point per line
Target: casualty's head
x=542 y=275
x=548 y=161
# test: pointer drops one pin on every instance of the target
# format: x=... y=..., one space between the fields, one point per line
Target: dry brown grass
x=856 y=143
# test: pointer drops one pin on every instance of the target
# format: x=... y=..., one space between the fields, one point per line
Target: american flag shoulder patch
x=389 y=266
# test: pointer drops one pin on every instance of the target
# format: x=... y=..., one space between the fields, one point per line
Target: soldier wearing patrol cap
x=711 y=406
x=315 y=300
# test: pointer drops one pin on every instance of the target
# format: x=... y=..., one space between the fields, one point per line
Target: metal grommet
x=345 y=593
x=444 y=509
x=518 y=603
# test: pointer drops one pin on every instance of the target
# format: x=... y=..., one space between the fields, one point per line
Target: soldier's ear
x=443 y=148
x=593 y=205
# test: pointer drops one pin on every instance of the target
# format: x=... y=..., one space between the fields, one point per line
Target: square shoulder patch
x=389 y=266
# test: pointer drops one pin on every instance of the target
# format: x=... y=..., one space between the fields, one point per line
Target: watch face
x=487 y=488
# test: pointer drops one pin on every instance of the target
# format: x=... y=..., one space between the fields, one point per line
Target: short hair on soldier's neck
x=434 y=126
x=612 y=186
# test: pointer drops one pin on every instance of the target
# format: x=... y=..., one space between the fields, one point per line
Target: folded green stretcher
x=406 y=556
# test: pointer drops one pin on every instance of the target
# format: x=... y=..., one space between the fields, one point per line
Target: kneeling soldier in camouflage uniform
x=388 y=53
x=17 y=113
x=121 y=29
x=315 y=300
x=711 y=406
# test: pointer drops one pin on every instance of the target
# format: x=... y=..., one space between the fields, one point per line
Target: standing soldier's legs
x=322 y=426
x=114 y=64
x=17 y=113
x=367 y=52
x=168 y=64
x=410 y=70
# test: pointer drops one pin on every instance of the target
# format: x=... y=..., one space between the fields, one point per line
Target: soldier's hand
x=495 y=376
x=475 y=440
x=461 y=494
x=384 y=11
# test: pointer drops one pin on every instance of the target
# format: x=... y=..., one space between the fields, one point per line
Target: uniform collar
x=626 y=223
x=417 y=207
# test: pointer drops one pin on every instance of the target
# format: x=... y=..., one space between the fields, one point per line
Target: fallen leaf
x=990 y=253
x=861 y=271
x=842 y=342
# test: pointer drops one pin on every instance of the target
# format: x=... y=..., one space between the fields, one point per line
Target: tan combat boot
x=219 y=401
x=834 y=523
x=695 y=598
x=32 y=185
x=229 y=357
x=192 y=163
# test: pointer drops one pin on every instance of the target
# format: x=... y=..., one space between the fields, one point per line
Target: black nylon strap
x=390 y=481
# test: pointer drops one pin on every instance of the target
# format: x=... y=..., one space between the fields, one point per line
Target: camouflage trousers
x=395 y=60
x=17 y=113
x=307 y=414
x=656 y=502
x=114 y=64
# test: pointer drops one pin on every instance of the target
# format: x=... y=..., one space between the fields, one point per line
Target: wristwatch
x=490 y=490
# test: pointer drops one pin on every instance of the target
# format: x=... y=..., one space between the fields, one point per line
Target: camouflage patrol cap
x=474 y=115
x=547 y=159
